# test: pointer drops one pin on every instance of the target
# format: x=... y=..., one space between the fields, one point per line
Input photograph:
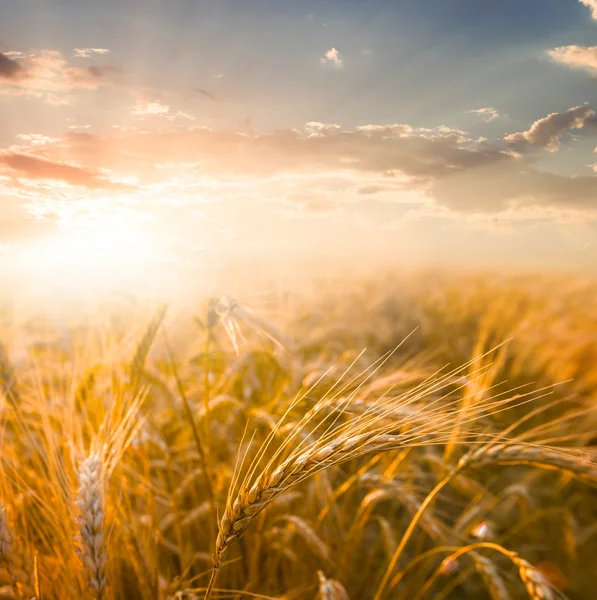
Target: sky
x=139 y=138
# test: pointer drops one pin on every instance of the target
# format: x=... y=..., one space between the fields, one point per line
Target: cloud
x=316 y=128
x=91 y=78
x=494 y=189
x=46 y=75
x=10 y=69
x=312 y=205
x=547 y=132
x=591 y=4
x=37 y=139
x=397 y=128
x=88 y=52
x=332 y=56
x=488 y=114
x=33 y=167
x=576 y=57
x=144 y=109
x=394 y=163
x=370 y=190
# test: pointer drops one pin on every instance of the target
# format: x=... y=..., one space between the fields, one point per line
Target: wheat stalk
x=137 y=365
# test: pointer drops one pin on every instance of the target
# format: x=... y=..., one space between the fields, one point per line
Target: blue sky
x=429 y=60
x=235 y=114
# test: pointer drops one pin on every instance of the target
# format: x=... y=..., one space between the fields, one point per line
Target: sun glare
x=103 y=258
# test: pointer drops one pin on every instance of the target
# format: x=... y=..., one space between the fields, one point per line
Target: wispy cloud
x=37 y=139
x=592 y=5
x=488 y=114
x=88 y=52
x=332 y=56
x=578 y=57
x=147 y=109
x=311 y=205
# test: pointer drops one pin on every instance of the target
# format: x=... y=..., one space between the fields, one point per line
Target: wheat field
x=420 y=437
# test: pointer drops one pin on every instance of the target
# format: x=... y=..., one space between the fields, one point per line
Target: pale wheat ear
x=517 y=453
x=6 y=546
x=232 y=315
x=491 y=577
x=330 y=589
x=5 y=537
x=13 y=558
x=91 y=523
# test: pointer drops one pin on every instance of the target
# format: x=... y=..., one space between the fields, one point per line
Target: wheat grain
x=535 y=583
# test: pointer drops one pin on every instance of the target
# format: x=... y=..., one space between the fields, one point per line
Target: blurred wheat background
x=413 y=437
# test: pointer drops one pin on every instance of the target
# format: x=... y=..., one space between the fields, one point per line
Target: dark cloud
x=10 y=69
x=39 y=168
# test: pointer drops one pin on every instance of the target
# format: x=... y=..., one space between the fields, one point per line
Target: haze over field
x=140 y=139
x=298 y=299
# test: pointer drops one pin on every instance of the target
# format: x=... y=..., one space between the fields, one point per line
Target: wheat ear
x=90 y=502
x=536 y=585
x=6 y=551
x=330 y=589
x=527 y=454
x=491 y=578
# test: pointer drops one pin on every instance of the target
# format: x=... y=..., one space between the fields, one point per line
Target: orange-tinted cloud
x=47 y=75
x=576 y=57
x=390 y=163
x=32 y=167
x=332 y=56
x=592 y=5
x=547 y=132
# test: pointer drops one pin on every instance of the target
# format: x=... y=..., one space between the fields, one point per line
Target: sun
x=109 y=257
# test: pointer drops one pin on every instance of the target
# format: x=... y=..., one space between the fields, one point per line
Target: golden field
x=420 y=437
